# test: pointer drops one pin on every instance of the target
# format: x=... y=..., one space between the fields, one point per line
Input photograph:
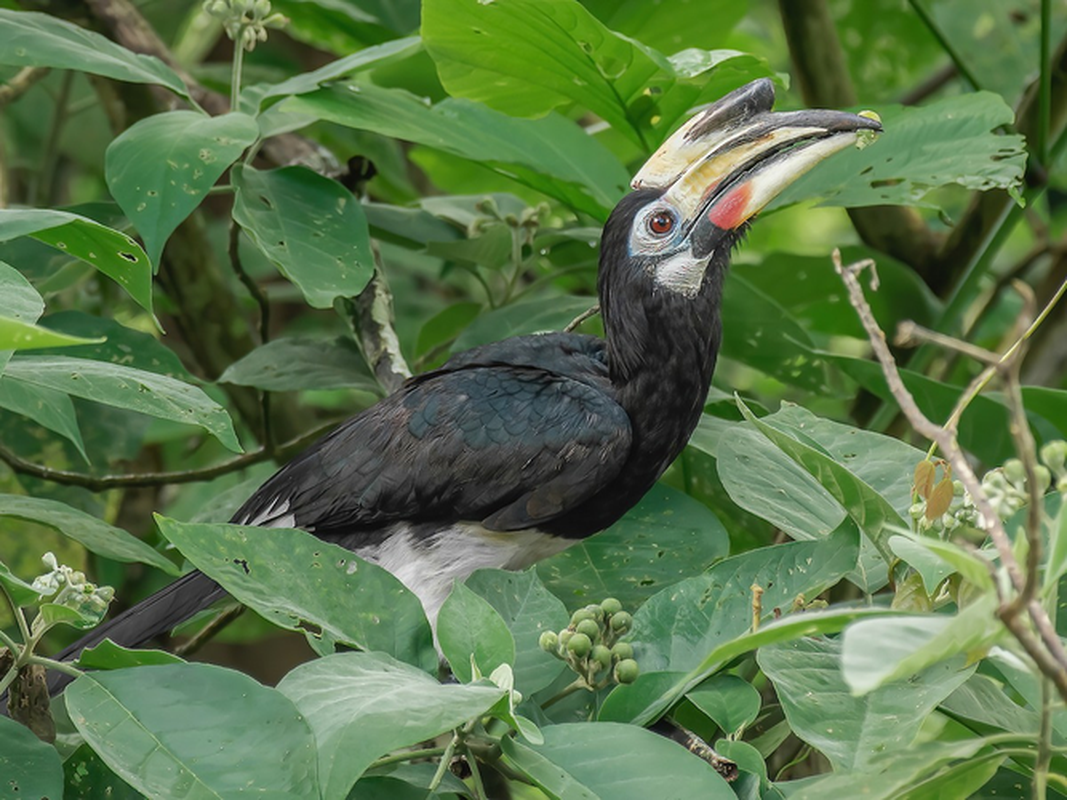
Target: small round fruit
x=580 y=645
x=549 y=641
x=589 y=627
x=626 y=671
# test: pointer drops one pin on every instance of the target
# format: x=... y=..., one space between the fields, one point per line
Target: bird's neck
x=661 y=349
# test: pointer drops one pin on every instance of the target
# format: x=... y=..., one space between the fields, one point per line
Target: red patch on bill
x=729 y=211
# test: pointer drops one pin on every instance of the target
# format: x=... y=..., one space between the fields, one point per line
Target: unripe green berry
x=549 y=642
x=621 y=622
x=581 y=614
x=1044 y=477
x=1013 y=470
x=601 y=657
x=596 y=611
x=622 y=651
x=590 y=628
x=626 y=671
x=611 y=606
x=565 y=637
x=580 y=645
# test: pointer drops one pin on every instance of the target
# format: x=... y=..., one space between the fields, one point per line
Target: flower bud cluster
x=590 y=644
x=1005 y=486
x=245 y=21
x=68 y=587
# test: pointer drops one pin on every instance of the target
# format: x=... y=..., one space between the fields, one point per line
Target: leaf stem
x=59 y=666
x=442 y=766
x=476 y=774
x=20 y=618
x=407 y=755
x=238 y=66
x=1044 y=97
x=946 y=45
x=566 y=691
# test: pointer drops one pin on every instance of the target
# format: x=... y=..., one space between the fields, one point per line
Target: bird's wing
x=508 y=446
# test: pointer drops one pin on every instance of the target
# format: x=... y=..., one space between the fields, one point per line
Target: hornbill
x=511 y=451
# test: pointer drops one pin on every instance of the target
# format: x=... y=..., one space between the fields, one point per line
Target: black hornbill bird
x=511 y=451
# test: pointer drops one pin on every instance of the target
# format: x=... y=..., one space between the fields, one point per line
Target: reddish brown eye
x=660 y=223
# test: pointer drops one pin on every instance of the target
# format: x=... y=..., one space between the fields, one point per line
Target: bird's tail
x=153 y=616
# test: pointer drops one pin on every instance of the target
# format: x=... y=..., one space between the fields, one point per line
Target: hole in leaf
x=243 y=565
x=266 y=201
x=128 y=256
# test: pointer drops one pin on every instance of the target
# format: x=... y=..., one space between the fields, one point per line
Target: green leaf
x=518 y=319
x=709 y=27
x=364 y=705
x=652 y=693
x=876 y=652
x=17 y=589
x=983 y=699
x=47 y=407
x=88 y=778
x=1057 y=549
x=125 y=387
x=92 y=533
x=310 y=81
x=552 y=155
x=21 y=302
x=311 y=227
x=614 y=762
x=29 y=39
x=880 y=459
x=108 y=655
x=195 y=730
x=113 y=253
x=159 y=169
x=468 y=628
x=730 y=702
x=16 y=335
x=528 y=609
x=764 y=336
x=852 y=731
x=30 y=768
x=667 y=536
x=948 y=141
x=677 y=628
x=296 y=364
x=301 y=583
x=526 y=57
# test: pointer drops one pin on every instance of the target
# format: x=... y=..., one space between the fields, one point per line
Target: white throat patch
x=682 y=273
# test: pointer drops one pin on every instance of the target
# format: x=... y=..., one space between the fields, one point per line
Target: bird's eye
x=660 y=223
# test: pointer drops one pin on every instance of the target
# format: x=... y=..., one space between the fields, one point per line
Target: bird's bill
x=727 y=163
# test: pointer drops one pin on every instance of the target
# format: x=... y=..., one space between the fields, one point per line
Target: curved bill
x=728 y=162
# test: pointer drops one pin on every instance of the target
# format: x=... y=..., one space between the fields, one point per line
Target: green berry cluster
x=590 y=644
x=245 y=21
x=941 y=512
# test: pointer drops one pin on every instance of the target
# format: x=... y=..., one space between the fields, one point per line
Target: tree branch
x=1047 y=653
x=822 y=73
x=23 y=81
x=370 y=315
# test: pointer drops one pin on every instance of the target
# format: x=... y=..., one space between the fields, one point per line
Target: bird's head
x=696 y=194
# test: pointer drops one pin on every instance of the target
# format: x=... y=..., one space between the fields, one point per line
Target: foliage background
x=499 y=141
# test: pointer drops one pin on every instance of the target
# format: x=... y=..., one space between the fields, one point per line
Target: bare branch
x=587 y=314
x=23 y=81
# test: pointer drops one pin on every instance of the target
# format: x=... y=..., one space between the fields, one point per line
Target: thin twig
x=21 y=83
x=99 y=483
x=209 y=631
x=587 y=314
x=1050 y=658
x=254 y=288
x=910 y=333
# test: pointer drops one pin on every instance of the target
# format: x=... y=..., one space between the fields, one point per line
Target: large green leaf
x=677 y=628
x=551 y=155
x=89 y=778
x=311 y=227
x=113 y=253
x=614 y=762
x=302 y=583
x=18 y=335
x=876 y=652
x=292 y=364
x=470 y=629
x=310 y=81
x=652 y=693
x=528 y=609
x=92 y=533
x=195 y=731
x=706 y=24
x=29 y=767
x=125 y=387
x=21 y=302
x=950 y=141
x=364 y=705
x=729 y=701
x=159 y=169
x=47 y=407
x=532 y=316
x=526 y=57
x=852 y=731
x=666 y=537
x=29 y=39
